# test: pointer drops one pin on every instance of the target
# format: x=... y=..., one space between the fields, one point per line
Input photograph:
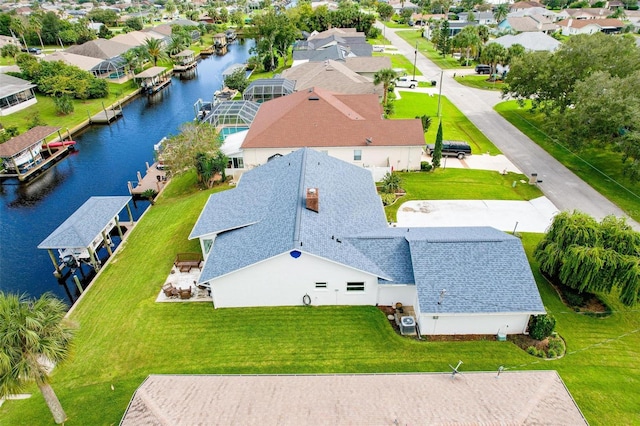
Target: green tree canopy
x=436 y=155
x=594 y=257
x=385 y=77
x=237 y=80
x=195 y=142
x=34 y=337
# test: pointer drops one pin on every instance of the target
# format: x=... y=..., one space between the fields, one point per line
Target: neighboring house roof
x=344 y=120
x=136 y=38
x=86 y=63
x=29 y=138
x=423 y=17
x=531 y=23
x=10 y=85
x=164 y=29
x=86 y=223
x=100 y=48
x=585 y=13
x=531 y=41
x=525 y=5
x=349 y=32
x=330 y=75
x=478 y=16
x=522 y=397
x=336 y=53
x=184 y=23
x=581 y=23
x=368 y=64
x=265 y=215
x=534 y=11
x=4 y=40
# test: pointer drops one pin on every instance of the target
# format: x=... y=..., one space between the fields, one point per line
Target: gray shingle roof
x=272 y=196
x=10 y=85
x=483 y=270
x=86 y=223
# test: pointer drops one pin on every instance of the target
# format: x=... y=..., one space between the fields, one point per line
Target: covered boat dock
x=153 y=79
x=22 y=155
x=184 y=61
x=86 y=231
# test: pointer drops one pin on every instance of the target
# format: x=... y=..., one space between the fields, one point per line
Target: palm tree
x=385 y=76
x=17 y=26
x=34 y=335
x=501 y=12
x=154 y=49
x=176 y=45
x=35 y=24
x=493 y=54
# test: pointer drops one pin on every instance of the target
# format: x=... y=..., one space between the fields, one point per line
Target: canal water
x=108 y=157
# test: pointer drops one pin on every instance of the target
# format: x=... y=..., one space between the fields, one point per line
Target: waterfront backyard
x=124 y=335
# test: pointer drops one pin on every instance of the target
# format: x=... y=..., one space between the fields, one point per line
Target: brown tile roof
x=317 y=118
x=348 y=32
x=29 y=138
x=330 y=75
x=522 y=398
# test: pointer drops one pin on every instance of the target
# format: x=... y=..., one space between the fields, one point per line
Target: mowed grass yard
x=600 y=167
x=124 y=336
x=455 y=125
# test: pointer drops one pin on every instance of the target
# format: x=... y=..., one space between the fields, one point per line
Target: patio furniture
x=185 y=293
x=169 y=290
x=185 y=261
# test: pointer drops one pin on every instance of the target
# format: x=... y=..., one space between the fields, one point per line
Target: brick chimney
x=313 y=200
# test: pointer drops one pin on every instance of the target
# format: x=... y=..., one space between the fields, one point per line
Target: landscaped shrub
x=556 y=344
x=531 y=350
x=425 y=166
x=387 y=198
x=541 y=326
x=551 y=353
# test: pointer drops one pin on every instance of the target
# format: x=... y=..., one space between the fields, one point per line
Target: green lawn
x=587 y=164
x=461 y=184
x=455 y=125
x=399 y=61
x=426 y=48
x=480 y=82
x=46 y=109
x=125 y=336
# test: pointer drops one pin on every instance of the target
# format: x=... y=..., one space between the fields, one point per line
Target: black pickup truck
x=452 y=149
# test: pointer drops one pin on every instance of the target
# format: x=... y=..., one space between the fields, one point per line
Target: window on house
x=355 y=286
x=207 y=245
x=321 y=286
x=357 y=155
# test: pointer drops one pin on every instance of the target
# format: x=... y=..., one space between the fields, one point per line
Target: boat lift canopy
x=87 y=228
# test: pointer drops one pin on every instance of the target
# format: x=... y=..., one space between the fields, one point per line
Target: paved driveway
x=523 y=216
x=559 y=184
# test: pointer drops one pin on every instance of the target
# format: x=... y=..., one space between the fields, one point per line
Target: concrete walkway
x=559 y=184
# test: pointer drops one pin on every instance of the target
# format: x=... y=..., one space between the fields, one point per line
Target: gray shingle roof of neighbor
x=274 y=193
x=532 y=41
x=482 y=270
x=10 y=85
x=86 y=223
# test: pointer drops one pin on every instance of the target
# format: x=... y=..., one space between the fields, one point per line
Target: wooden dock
x=42 y=166
x=154 y=179
x=106 y=116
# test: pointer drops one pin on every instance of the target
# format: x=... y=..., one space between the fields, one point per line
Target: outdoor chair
x=185 y=293
x=169 y=290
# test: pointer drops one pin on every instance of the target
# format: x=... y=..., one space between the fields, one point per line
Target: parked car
x=406 y=82
x=378 y=48
x=483 y=69
x=452 y=149
x=33 y=50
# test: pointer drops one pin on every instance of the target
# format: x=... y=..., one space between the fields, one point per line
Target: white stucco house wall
x=348 y=127
x=308 y=228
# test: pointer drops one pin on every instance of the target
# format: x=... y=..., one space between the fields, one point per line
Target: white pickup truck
x=406 y=82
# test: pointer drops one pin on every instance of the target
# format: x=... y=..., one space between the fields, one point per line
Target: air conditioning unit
x=407 y=325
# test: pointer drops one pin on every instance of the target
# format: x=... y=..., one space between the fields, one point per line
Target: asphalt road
x=566 y=190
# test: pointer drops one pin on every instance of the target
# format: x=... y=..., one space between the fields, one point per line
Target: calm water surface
x=107 y=157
